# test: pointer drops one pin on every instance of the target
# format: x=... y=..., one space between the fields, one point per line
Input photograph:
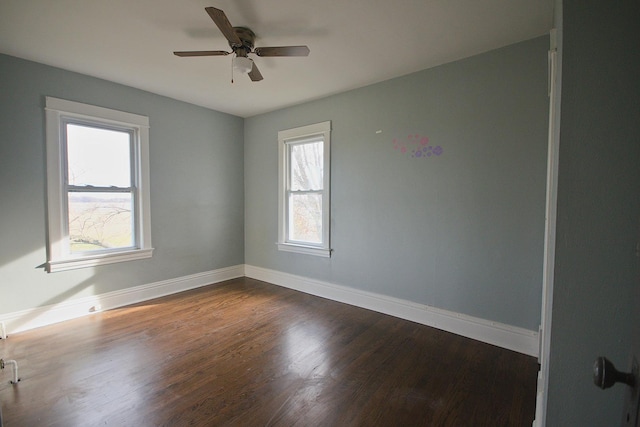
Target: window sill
x=96 y=260
x=308 y=250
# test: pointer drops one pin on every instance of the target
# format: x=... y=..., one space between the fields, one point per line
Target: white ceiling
x=353 y=43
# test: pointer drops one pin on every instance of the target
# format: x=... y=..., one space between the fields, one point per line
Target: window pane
x=306 y=166
x=98 y=157
x=100 y=221
x=305 y=218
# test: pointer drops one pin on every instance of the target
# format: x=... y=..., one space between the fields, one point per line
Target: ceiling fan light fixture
x=242 y=64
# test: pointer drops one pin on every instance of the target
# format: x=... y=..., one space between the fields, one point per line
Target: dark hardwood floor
x=246 y=353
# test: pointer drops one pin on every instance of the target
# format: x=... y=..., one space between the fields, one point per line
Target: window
x=304 y=189
x=97 y=185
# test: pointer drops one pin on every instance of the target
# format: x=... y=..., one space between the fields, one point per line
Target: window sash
x=132 y=139
x=131 y=189
x=291 y=144
x=290 y=218
x=112 y=230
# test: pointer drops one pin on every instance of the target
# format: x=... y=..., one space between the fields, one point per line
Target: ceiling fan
x=241 y=41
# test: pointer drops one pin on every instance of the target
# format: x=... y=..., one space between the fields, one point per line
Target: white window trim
x=59 y=257
x=292 y=135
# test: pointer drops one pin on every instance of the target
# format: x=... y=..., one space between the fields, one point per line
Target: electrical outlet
x=632 y=399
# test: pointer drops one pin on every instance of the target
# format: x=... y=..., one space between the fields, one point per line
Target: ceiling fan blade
x=282 y=51
x=254 y=74
x=224 y=25
x=202 y=53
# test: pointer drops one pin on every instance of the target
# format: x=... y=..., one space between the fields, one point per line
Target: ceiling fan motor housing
x=247 y=37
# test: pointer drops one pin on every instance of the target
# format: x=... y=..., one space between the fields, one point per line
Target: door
x=595 y=273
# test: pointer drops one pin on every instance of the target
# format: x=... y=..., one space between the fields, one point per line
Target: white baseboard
x=41 y=316
x=501 y=335
x=510 y=337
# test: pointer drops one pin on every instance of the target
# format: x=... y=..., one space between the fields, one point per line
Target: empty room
x=341 y=213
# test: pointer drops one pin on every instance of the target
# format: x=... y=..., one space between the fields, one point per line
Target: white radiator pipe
x=14 y=364
x=3 y=331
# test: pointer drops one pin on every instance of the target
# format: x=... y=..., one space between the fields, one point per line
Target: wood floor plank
x=247 y=353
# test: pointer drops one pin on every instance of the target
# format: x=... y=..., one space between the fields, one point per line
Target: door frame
x=554 y=89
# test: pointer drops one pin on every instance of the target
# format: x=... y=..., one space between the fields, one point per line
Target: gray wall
x=197 y=201
x=462 y=231
x=597 y=271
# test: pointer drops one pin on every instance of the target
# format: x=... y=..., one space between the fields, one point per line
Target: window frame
x=319 y=132
x=59 y=112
